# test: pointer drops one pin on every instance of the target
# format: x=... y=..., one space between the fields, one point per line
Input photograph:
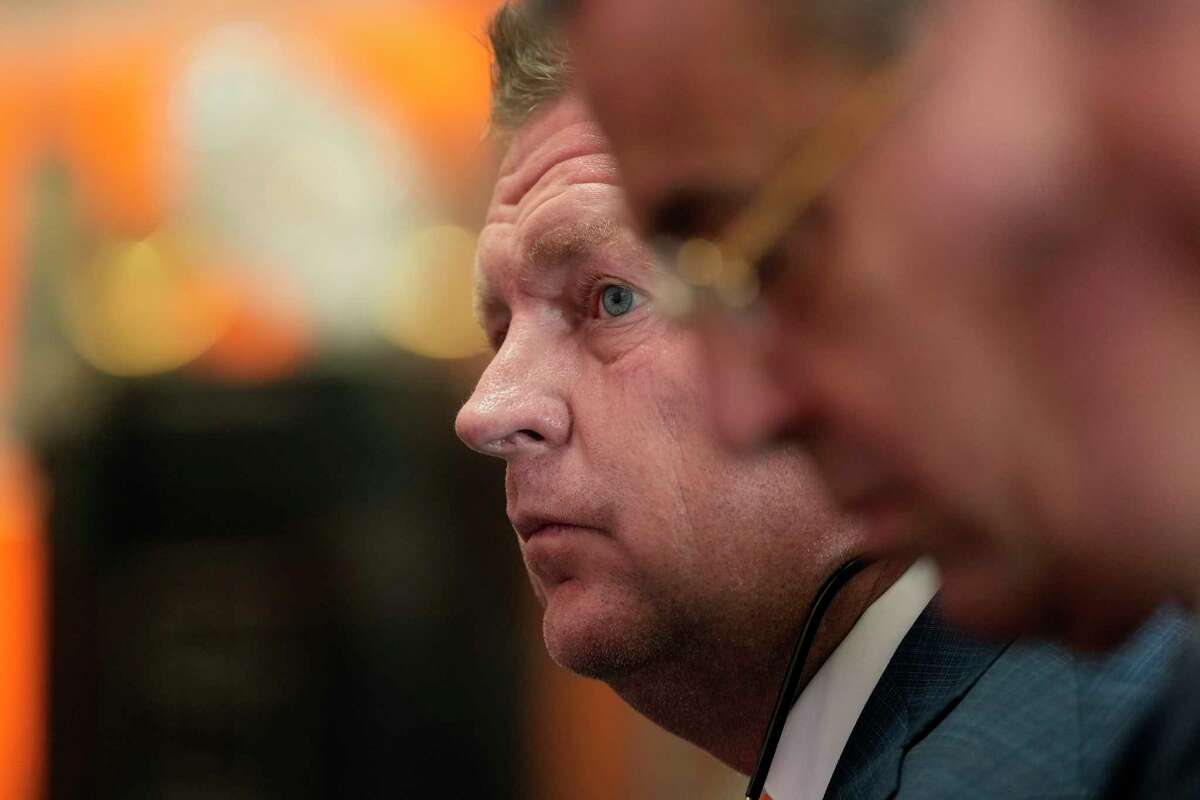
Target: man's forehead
x=661 y=61
x=686 y=127
x=561 y=131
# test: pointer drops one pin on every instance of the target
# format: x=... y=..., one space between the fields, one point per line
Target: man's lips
x=529 y=525
x=551 y=547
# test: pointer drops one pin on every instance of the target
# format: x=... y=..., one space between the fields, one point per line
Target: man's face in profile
x=644 y=540
x=923 y=345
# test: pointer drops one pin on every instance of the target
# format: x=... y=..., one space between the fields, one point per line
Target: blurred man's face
x=936 y=345
x=1142 y=61
x=643 y=539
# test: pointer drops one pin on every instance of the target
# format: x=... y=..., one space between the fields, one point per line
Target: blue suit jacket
x=954 y=717
x=1163 y=759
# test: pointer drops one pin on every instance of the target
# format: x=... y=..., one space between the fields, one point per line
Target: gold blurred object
x=144 y=307
x=698 y=268
x=699 y=262
x=428 y=308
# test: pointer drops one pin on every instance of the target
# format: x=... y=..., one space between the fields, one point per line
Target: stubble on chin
x=608 y=638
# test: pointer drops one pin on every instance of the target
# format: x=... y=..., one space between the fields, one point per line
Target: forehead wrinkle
x=525 y=169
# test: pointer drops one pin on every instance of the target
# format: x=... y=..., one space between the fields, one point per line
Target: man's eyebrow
x=570 y=241
x=559 y=244
x=485 y=300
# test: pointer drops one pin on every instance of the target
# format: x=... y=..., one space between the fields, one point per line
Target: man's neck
x=721 y=700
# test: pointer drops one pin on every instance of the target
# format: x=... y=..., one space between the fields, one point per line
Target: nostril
x=537 y=437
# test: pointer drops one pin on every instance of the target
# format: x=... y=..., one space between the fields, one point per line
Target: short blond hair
x=530 y=68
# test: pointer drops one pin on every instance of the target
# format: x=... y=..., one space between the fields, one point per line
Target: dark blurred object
x=282 y=591
x=298 y=588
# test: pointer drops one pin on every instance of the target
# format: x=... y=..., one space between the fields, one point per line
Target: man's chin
x=598 y=634
x=997 y=609
x=1102 y=621
x=991 y=617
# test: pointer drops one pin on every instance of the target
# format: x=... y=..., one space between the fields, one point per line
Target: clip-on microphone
x=791 y=681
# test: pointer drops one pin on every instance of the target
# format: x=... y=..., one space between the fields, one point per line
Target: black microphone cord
x=791 y=681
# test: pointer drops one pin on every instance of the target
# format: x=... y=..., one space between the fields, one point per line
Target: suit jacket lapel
x=932 y=669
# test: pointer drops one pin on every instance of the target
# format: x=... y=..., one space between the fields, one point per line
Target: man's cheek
x=622 y=346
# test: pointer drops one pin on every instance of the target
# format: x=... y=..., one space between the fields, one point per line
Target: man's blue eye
x=617 y=300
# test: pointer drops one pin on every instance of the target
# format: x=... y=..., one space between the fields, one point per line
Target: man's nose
x=753 y=401
x=518 y=407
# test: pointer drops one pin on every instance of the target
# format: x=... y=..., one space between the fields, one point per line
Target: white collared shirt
x=822 y=720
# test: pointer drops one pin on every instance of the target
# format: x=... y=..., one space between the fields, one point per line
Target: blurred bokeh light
x=144 y=307
x=427 y=308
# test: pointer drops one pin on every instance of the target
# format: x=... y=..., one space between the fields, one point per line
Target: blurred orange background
x=92 y=85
